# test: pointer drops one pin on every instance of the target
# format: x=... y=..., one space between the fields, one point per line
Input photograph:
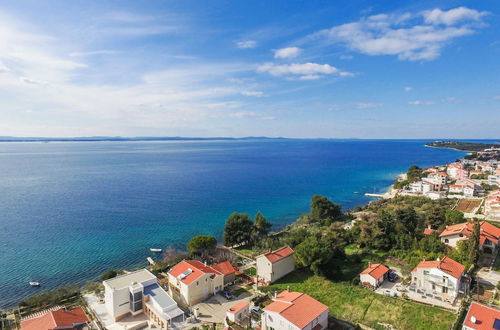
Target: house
x=239 y=312
x=274 y=265
x=439 y=177
x=455 y=170
x=481 y=317
x=191 y=282
x=429 y=231
x=374 y=275
x=138 y=293
x=58 y=319
x=227 y=270
x=443 y=278
x=492 y=205
x=489 y=235
x=293 y=311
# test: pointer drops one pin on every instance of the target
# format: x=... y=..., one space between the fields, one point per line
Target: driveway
x=487 y=276
x=214 y=309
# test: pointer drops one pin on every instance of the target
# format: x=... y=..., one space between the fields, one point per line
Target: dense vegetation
x=241 y=230
x=413 y=174
x=201 y=244
x=464 y=146
x=58 y=296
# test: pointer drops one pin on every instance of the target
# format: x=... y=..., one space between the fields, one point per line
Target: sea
x=70 y=211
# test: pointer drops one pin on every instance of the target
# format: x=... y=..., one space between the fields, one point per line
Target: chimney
x=275 y=294
x=429 y=227
x=473 y=319
x=369 y=264
x=438 y=259
x=288 y=288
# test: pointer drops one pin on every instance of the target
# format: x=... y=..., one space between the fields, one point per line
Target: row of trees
x=241 y=230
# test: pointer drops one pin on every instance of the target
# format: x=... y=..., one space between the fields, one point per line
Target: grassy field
x=358 y=305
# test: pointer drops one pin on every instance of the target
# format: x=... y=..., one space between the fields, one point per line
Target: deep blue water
x=70 y=211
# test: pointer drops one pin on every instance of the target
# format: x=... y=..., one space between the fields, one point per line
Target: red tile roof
x=485 y=316
x=55 y=319
x=197 y=269
x=224 y=267
x=447 y=265
x=238 y=307
x=488 y=231
x=279 y=254
x=296 y=307
x=428 y=231
x=376 y=270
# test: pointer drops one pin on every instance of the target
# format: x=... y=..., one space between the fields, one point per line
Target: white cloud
x=246 y=44
x=452 y=16
x=363 y=105
x=93 y=52
x=408 y=89
x=250 y=114
x=252 y=93
x=408 y=36
x=496 y=97
x=346 y=57
x=289 y=52
x=452 y=100
x=303 y=71
x=419 y=102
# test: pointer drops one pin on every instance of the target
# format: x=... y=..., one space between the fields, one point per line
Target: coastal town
x=329 y=270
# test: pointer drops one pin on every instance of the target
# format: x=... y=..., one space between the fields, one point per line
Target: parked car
x=226 y=294
x=256 y=309
x=392 y=277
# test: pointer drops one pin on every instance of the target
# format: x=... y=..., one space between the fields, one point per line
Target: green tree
x=201 y=244
x=261 y=226
x=314 y=254
x=238 y=229
x=324 y=210
x=109 y=274
x=473 y=244
x=453 y=217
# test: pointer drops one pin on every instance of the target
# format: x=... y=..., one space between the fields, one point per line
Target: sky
x=308 y=69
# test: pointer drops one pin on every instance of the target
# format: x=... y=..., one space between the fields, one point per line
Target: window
x=446 y=241
x=426 y=272
x=197 y=283
x=445 y=289
x=461 y=235
x=433 y=286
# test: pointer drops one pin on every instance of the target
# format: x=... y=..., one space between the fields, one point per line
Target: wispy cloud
x=302 y=71
x=246 y=44
x=289 y=52
x=408 y=36
x=408 y=89
x=420 y=102
x=364 y=105
x=252 y=93
x=94 y=52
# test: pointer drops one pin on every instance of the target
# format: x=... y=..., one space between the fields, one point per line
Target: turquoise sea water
x=69 y=211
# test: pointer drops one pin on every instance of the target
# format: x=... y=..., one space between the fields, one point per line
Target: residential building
x=494 y=179
x=429 y=230
x=481 y=317
x=374 y=275
x=492 y=205
x=294 y=311
x=227 y=270
x=191 y=282
x=489 y=235
x=138 y=293
x=239 y=313
x=442 y=278
x=439 y=177
x=58 y=319
x=274 y=265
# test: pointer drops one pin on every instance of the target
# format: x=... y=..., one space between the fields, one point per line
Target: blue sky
x=338 y=69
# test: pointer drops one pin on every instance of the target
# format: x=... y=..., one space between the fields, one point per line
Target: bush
x=53 y=297
x=109 y=274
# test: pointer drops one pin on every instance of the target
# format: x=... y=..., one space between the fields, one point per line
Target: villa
x=227 y=270
x=374 y=275
x=488 y=237
x=192 y=281
x=58 y=319
x=239 y=312
x=481 y=317
x=138 y=293
x=444 y=278
x=274 y=265
x=294 y=311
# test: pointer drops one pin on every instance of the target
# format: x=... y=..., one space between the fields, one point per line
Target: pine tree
x=473 y=244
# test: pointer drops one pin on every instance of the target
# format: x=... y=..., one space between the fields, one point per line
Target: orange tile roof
x=279 y=254
x=428 y=231
x=198 y=269
x=296 y=307
x=488 y=231
x=238 y=307
x=485 y=316
x=447 y=265
x=376 y=270
x=224 y=267
x=55 y=319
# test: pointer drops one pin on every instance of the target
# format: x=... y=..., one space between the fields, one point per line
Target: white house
x=443 y=278
x=239 y=312
x=274 y=265
x=294 y=311
x=191 y=282
x=139 y=293
x=374 y=275
x=481 y=317
x=489 y=235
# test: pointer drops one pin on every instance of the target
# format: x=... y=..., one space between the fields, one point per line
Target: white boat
x=155 y=250
x=35 y=283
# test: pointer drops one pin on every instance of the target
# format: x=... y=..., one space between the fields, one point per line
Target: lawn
x=358 y=305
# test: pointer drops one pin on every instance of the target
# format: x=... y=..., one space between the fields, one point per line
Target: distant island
x=120 y=138
x=462 y=146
